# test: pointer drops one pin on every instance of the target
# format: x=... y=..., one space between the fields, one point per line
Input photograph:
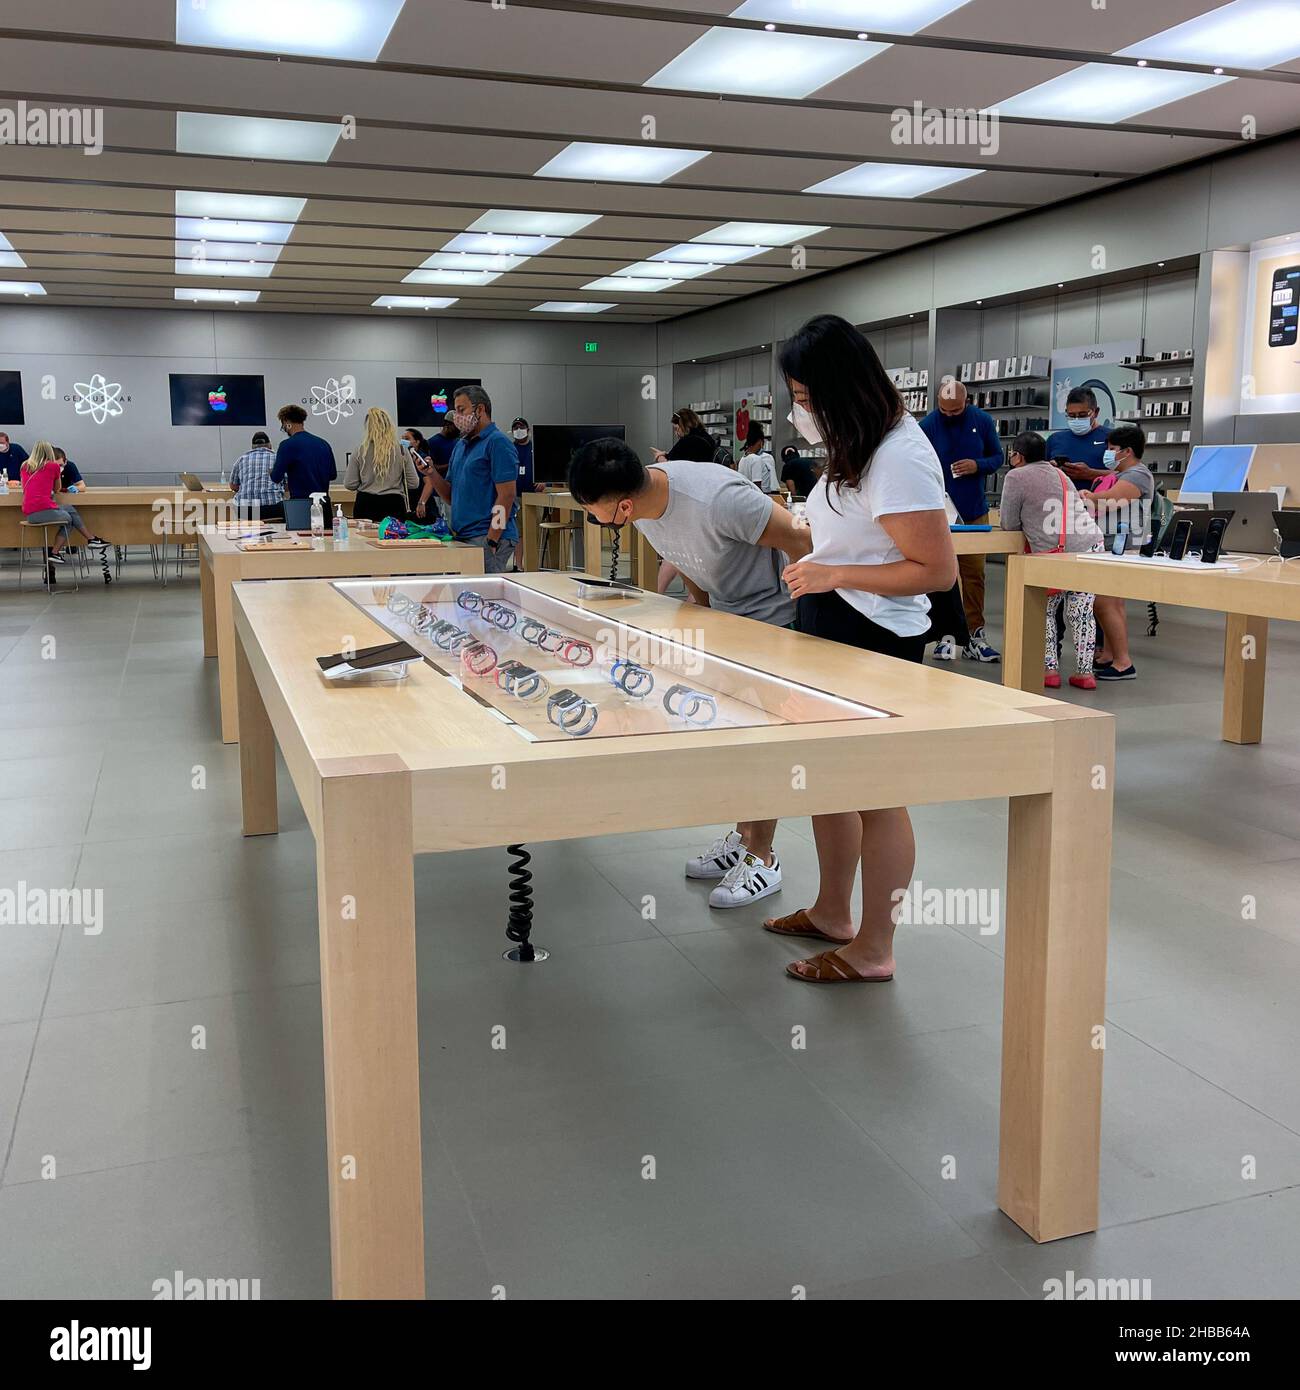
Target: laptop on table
x=1251 y=530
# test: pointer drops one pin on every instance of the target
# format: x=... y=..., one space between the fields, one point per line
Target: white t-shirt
x=904 y=476
x=760 y=469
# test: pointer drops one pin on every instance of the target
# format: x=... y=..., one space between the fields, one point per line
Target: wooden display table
x=1249 y=597
x=386 y=772
x=644 y=561
x=222 y=563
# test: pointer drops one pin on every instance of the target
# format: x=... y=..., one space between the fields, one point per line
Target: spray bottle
x=317 y=514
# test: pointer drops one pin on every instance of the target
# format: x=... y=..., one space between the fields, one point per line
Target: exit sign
x=591 y=347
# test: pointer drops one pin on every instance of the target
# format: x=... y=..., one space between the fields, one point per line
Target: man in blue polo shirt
x=12 y=458
x=966 y=440
x=482 y=480
x=1082 y=442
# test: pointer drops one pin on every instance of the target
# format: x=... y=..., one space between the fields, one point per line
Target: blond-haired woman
x=41 y=476
x=380 y=471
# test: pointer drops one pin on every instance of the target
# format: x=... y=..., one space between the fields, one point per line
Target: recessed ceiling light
x=219 y=258
x=501 y=244
x=451 y=277
x=464 y=260
x=712 y=252
x=619 y=283
x=763 y=234
x=584 y=160
x=255 y=137
x=561 y=306
x=761 y=64
x=9 y=258
x=769 y=27
x=196 y=296
x=889 y=16
x=656 y=270
x=1103 y=93
x=872 y=180
x=238 y=207
x=1160 y=262
x=1142 y=62
x=1246 y=33
x=411 y=301
x=556 y=224
x=354 y=29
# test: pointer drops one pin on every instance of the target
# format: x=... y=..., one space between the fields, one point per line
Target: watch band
x=694 y=706
x=567 y=710
x=469 y=600
x=576 y=652
x=479 y=659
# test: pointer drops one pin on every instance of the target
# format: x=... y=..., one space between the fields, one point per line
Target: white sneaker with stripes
x=747 y=881
x=723 y=854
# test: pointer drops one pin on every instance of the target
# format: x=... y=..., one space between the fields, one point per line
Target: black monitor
x=216 y=398
x=423 y=401
x=11 y=399
x=555 y=445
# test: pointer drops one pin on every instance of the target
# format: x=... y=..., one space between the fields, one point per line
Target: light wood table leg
x=1024 y=642
x=365 y=888
x=1053 y=1012
x=208 y=599
x=645 y=562
x=1245 y=665
x=593 y=544
x=224 y=618
x=530 y=518
x=256 y=752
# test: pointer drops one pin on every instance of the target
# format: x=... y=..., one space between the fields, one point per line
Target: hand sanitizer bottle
x=317 y=514
x=340 y=526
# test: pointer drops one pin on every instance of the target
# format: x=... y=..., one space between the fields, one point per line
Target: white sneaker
x=978 y=649
x=746 y=882
x=945 y=649
x=723 y=854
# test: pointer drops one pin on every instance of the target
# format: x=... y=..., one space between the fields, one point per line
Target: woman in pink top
x=41 y=473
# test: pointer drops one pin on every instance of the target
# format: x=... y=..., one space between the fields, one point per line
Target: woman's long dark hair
x=850 y=396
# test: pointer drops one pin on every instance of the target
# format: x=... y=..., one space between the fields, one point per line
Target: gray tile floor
x=667 y=1041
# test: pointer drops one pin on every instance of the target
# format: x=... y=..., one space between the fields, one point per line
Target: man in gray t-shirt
x=727 y=539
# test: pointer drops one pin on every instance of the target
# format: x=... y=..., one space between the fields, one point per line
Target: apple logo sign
x=217 y=398
x=439 y=402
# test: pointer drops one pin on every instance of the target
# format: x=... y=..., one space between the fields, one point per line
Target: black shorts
x=828 y=615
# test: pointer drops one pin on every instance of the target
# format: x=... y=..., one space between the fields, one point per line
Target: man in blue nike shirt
x=1082 y=442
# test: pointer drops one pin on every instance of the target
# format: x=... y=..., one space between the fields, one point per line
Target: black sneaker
x=1111 y=673
x=55 y=559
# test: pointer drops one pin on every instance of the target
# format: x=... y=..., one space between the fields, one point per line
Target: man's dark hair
x=754 y=435
x=260 y=439
x=59 y=454
x=1082 y=395
x=1030 y=446
x=291 y=414
x=1128 y=437
x=475 y=395
x=605 y=468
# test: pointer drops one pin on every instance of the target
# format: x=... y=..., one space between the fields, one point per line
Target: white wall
x=539 y=370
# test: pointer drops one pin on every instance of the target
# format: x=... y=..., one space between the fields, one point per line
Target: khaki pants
x=970 y=568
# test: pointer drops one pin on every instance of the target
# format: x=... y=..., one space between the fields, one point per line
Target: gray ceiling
x=467 y=101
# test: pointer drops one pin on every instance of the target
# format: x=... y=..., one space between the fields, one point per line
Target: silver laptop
x=1250 y=532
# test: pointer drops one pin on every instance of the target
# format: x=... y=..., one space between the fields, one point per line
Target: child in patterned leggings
x=1083 y=629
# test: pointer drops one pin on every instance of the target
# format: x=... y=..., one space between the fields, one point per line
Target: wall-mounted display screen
x=201 y=398
x=423 y=401
x=554 y=446
x=11 y=399
x=1271 y=359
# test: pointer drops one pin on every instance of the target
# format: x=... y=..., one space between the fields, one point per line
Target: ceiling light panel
x=533 y=224
x=889 y=16
x=871 y=180
x=21 y=287
x=1244 y=34
x=618 y=284
x=238 y=207
x=9 y=258
x=450 y=260
x=584 y=161
x=201 y=296
x=1104 y=93
x=763 y=234
x=499 y=244
x=557 y=306
x=715 y=253
x=255 y=137
x=761 y=64
x=656 y=270
x=354 y=29
x=411 y=301
x=451 y=277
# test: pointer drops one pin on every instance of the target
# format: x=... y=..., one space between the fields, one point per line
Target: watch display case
x=555 y=670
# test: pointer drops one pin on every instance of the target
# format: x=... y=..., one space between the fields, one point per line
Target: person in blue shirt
x=966 y=440
x=1082 y=442
x=70 y=479
x=12 y=458
x=304 y=462
x=482 y=480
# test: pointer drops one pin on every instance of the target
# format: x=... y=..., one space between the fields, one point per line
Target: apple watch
x=522 y=681
x=567 y=710
x=694 y=706
x=533 y=631
x=469 y=600
x=576 y=652
x=479 y=659
x=632 y=679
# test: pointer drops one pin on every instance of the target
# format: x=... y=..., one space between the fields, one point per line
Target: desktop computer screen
x=1216 y=468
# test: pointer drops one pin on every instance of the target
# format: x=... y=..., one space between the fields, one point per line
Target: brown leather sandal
x=798 y=923
x=829 y=969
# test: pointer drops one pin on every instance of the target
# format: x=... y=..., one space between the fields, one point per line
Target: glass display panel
x=554 y=671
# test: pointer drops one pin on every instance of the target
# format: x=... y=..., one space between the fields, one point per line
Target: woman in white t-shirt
x=880 y=543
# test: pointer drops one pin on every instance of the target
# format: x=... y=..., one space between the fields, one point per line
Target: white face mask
x=1083 y=426
x=801 y=418
x=521 y=435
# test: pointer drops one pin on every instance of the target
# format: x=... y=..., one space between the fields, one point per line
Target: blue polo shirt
x=477 y=466
x=970 y=435
x=1079 y=448
x=14 y=460
x=525 y=452
x=305 y=464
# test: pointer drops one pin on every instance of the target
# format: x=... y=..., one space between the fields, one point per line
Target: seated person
x=40 y=479
x=1038 y=499
x=12 y=457
x=251 y=485
x=1126 y=502
x=70 y=479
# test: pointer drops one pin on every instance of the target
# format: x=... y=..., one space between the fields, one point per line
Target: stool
x=564 y=533
x=24 y=545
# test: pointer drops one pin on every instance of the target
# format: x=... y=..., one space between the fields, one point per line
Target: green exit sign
x=591 y=347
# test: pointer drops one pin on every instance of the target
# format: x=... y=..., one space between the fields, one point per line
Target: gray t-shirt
x=760 y=469
x=1137 y=512
x=1036 y=499
x=709 y=531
